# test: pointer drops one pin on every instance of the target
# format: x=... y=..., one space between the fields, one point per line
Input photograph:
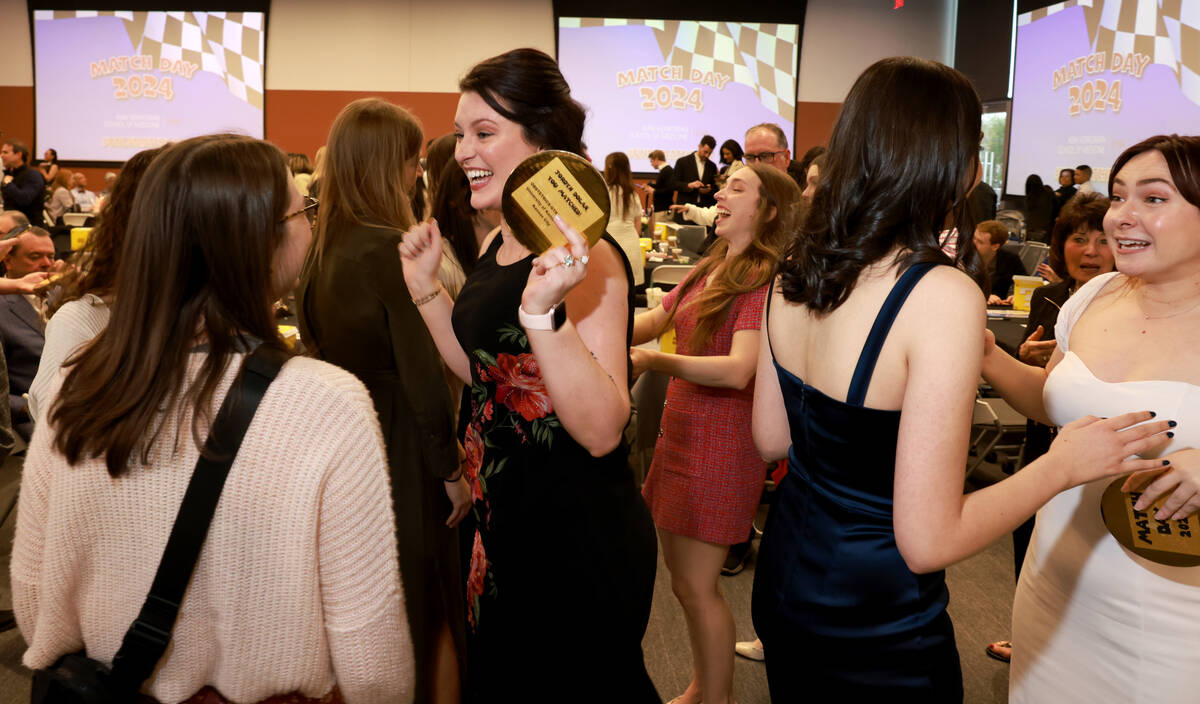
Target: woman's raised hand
x=556 y=272
x=1093 y=448
x=420 y=257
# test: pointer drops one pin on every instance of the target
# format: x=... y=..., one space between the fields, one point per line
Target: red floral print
x=519 y=385
x=475 y=579
x=473 y=444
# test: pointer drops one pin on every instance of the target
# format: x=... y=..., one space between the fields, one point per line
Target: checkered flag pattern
x=1168 y=31
x=229 y=44
x=761 y=56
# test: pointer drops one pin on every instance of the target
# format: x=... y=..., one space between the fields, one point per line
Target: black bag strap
x=148 y=637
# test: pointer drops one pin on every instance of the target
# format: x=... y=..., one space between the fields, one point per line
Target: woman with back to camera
x=303 y=516
x=1039 y=209
x=1079 y=252
x=706 y=479
x=1091 y=620
x=355 y=312
x=60 y=201
x=625 y=217
x=302 y=171
x=562 y=557
x=89 y=285
x=849 y=592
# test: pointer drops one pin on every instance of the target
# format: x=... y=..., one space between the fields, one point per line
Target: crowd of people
x=440 y=486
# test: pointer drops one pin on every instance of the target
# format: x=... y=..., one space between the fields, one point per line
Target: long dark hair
x=452 y=209
x=525 y=86
x=617 y=174
x=774 y=225
x=372 y=144
x=195 y=267
x=439 y=154
x=903 y=156
x=1183 y=160
x=735 y=151
x=94 y=268
x=1034 y=188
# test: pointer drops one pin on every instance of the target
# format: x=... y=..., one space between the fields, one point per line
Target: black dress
x=356 y=312
x=840 y=615
x=562 y=548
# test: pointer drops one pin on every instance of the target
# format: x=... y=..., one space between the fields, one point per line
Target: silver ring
x=583 y=259
x=568 y=261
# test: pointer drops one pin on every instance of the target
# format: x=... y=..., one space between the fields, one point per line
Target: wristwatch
x=552 y=319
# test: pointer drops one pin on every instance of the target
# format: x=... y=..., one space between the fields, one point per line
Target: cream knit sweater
x=297 y=587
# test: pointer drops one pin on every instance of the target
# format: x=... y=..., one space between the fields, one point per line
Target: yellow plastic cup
x=79 y=237
x=1023 y=287
x=666 y=341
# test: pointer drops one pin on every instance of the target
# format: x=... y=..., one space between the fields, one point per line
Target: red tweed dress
x=706 y=478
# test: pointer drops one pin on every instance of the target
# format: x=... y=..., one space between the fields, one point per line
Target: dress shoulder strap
x=767 y=320
x=879 y=331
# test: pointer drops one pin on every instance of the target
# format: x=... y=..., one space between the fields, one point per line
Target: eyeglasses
x=309 y=210
x=765 y=156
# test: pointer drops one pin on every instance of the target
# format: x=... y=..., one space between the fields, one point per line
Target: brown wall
x=814 y=125
x=299 y=120
x=296 y=120
x=17 y=123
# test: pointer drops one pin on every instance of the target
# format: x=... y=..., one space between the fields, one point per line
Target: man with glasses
x=767 y=144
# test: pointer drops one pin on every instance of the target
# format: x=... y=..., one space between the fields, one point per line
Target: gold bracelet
x=427 y=297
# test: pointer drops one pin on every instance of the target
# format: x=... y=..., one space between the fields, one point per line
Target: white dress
x=1093 y=622
x=622 y=225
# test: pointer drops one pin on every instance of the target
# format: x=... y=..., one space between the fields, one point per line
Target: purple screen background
x=75 y=112
x=592 y=57
x=1045 y=138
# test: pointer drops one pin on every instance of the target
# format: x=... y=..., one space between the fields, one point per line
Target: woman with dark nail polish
x=1091 y=620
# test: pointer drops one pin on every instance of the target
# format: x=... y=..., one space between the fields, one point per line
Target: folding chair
x=1032 y=254
x=670 y=274
x=995 y=427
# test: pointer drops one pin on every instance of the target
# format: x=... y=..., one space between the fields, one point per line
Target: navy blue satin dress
x=838 y=611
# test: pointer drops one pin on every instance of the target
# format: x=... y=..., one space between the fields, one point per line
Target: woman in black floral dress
x=562 y=551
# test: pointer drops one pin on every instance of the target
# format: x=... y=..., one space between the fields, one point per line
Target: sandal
x=1000 y=650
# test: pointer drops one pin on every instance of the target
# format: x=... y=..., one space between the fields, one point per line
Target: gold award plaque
x=553 y=183
x=1174 y=543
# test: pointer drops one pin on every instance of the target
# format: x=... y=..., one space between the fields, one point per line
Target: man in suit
x=22 y=322
x=664 y=193
x=22 y=333
x=23 y=187
x=696 y=176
